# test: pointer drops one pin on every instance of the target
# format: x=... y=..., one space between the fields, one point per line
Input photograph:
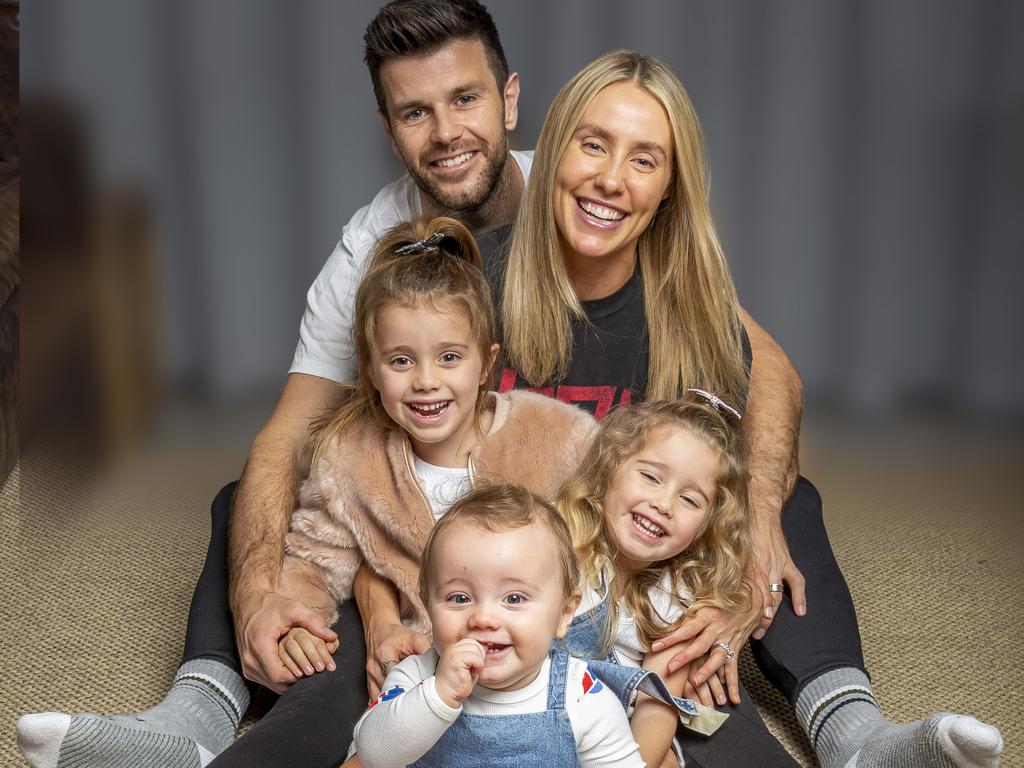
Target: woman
x=615 y=277
x=625 y=285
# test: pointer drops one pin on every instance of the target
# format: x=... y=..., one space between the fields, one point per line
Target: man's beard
x=463 y=197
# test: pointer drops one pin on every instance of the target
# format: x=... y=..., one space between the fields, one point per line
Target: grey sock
x=194 y=722
x=842 y=720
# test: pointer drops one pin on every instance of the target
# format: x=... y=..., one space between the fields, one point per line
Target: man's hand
x=387 y=643
x=775 y=566
x=258 y=632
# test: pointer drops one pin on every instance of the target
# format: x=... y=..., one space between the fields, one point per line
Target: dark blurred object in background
x=88 y=373
x=9 y=271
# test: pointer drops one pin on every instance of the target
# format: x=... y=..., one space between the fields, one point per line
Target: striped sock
x=194 y=722
x=842 y=720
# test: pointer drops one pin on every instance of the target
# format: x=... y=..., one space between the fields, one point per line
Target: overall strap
x=557 y=678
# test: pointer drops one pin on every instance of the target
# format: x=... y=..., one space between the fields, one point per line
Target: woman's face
x=612 y=177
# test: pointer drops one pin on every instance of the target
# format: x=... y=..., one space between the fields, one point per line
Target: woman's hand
x=387 y=643
x=701 y=635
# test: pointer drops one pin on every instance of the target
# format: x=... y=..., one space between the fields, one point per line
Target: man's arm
x=260 y=515
x=772 y=428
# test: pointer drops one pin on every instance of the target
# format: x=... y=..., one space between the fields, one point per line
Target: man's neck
x=496 y=211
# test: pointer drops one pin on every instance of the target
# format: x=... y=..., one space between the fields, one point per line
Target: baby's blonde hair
x=712 y=567
x=505 y=507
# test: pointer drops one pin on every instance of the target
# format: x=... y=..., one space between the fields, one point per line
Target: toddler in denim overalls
x=499 y=580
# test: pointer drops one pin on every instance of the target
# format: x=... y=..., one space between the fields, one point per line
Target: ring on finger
x=729 y=654
x=773 y=587
x=387 y=664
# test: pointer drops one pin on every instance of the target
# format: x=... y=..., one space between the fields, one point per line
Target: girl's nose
x=426 y=377
x=662 y=501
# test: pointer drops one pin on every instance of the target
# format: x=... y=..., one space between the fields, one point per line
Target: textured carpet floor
x=98 y=569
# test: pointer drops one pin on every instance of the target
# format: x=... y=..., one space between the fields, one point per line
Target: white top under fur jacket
x=362 y=500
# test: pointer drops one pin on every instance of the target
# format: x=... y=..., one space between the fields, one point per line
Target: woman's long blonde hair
x=691 y=306
x=713 y=565
x=446 y=274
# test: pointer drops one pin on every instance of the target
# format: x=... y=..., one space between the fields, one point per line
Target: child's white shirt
x=628 y=650
x=443 y=486
x=409 y=717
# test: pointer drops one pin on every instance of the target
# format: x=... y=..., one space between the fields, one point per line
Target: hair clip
x=719 y=404
x=438 y=241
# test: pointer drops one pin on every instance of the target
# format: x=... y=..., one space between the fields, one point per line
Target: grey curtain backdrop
x=867 y=166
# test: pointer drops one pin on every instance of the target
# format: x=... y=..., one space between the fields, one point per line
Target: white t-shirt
x=409 y=717
x=325 y=335
x=443 y=486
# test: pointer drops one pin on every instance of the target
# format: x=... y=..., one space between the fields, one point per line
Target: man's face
x=447 y=121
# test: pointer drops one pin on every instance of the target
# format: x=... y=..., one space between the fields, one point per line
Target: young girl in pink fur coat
x=418 y=429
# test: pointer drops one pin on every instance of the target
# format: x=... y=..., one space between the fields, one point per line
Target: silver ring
x=728 y=651
x=386 y=665
x=776 y=588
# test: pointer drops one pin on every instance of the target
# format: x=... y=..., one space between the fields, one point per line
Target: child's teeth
x=644 y=524
x=429 y=408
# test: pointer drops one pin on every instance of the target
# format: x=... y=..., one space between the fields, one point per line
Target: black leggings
x=311 y=723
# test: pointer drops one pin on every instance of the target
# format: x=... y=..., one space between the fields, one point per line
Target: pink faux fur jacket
x=362 y=500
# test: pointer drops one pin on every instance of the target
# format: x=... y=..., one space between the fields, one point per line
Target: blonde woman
x=614 y=288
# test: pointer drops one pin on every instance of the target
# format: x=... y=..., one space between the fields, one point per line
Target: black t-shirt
x=609 y=353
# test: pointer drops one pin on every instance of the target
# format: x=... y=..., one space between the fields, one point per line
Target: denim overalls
x=533 y=740
x=583 y=641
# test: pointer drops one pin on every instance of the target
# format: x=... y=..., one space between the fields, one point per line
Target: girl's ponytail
x=441 y=235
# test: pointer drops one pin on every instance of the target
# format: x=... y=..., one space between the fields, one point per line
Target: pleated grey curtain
x=867 y=166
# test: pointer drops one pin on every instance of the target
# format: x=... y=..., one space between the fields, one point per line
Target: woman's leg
x=816 y=661
x=198 y=716
x=311 y=724
x=743 y=741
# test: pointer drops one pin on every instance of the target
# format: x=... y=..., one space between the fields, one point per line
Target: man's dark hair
x=422 y=27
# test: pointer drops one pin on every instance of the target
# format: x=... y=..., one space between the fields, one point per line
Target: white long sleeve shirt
x=409 y=717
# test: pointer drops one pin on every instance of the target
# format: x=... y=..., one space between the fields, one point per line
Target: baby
x=499 y=580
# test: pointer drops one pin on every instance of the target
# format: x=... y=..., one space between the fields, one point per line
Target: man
x=447 y=101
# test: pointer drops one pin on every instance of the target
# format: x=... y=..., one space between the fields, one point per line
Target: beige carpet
x=98 y=568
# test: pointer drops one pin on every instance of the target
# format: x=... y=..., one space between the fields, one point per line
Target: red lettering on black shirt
x=598 y=399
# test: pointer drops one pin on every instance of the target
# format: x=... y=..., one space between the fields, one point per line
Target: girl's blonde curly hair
x=712 y=567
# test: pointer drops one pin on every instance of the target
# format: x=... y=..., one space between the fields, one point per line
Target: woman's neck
x=596 y=278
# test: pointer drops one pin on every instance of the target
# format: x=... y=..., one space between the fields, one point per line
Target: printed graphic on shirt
x=599 y=400
x=387 y=695
x=590 y=683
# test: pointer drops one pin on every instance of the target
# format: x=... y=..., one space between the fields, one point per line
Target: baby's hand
x=303 y=653
x=457 y=671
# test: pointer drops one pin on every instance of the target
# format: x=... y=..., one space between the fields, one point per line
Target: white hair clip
x=719 y=404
